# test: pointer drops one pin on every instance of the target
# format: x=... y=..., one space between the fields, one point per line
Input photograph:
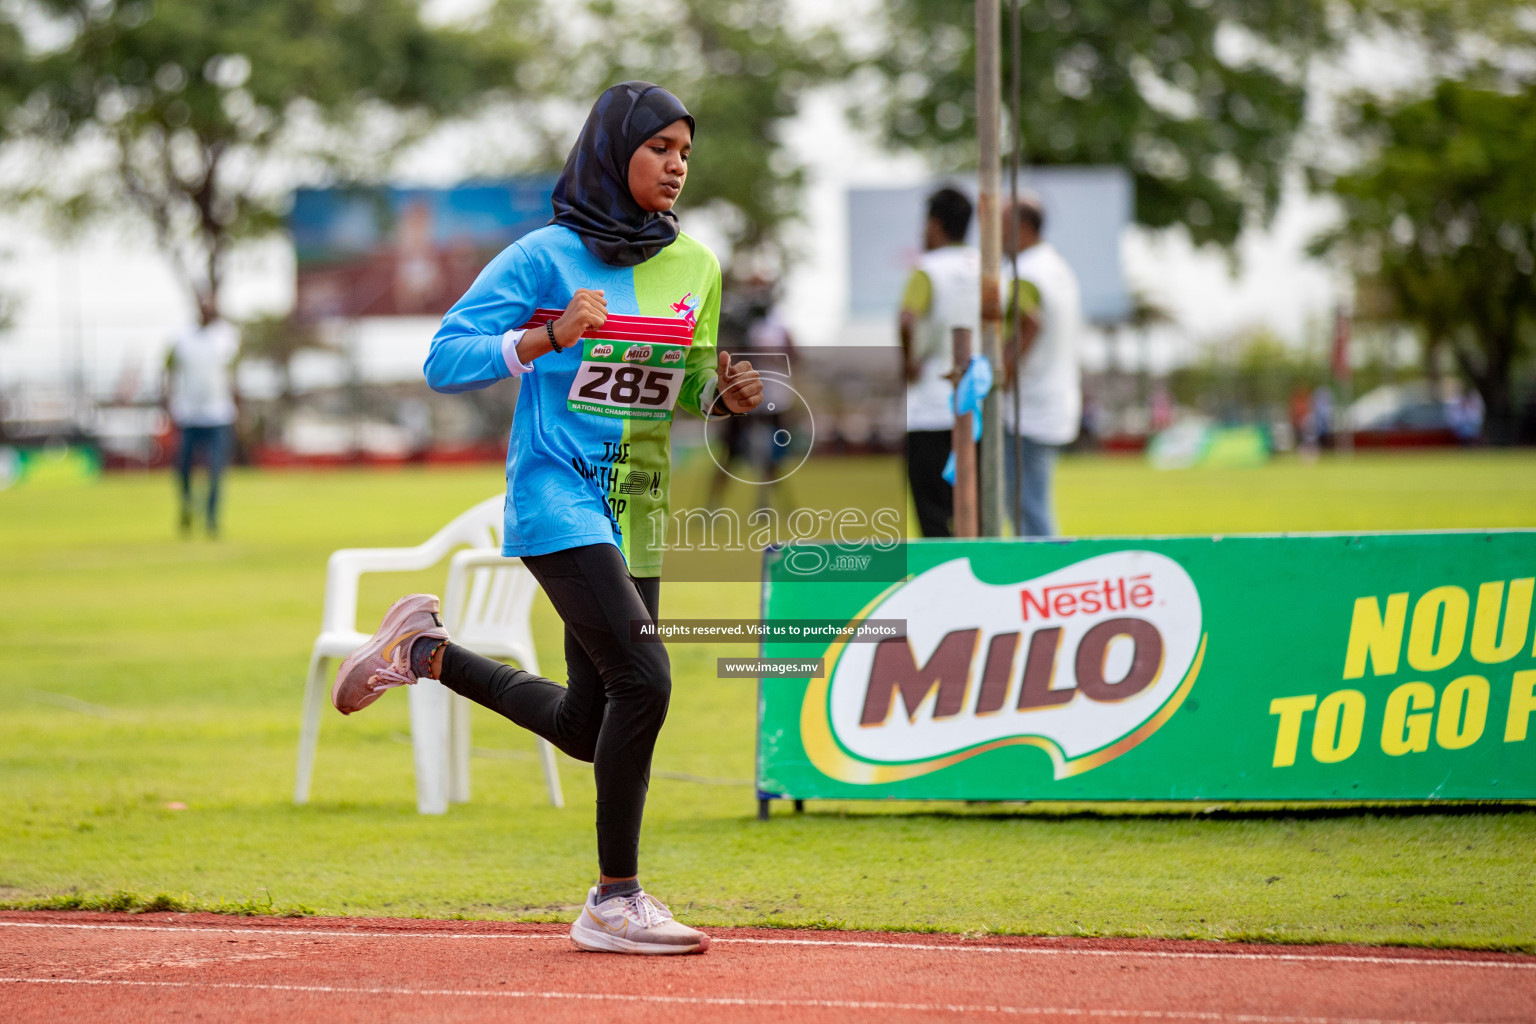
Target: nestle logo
x=1089 y=597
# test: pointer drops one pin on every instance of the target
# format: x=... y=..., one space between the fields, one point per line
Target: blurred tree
x=742 y=68
x=13 y=62
x=1453 y=37
x=278 y=339
x=201 y=111
x=1147 y=312
x=1199 y=99
x=1248 y=377
x=10 y=300
x=1439 y=219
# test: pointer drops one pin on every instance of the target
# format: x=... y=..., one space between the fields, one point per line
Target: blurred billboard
x=1087 y=209
x=404 y=251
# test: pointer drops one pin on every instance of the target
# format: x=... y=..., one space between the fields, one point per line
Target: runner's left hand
x=739 y=386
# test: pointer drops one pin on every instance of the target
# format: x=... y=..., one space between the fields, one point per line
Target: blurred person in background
x=944 y=292
x=201 y=400
x=1041 y=368
x=750 y=315
x=1302 y=424
x=588 y=473
x=1322 y=415
x=1163 y=408
x=1465 y=415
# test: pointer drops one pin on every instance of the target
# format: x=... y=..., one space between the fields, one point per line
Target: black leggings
x=611 y=710
x=932 y=496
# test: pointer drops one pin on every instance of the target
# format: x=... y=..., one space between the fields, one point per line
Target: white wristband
x=515 y=366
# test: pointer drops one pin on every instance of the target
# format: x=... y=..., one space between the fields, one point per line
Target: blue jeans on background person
x=213 y=442
x=1034 y=488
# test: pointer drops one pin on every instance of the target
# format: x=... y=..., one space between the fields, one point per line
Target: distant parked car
x=1411 y=414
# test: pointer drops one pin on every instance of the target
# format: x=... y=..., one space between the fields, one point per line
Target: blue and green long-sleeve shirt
x=589 y=460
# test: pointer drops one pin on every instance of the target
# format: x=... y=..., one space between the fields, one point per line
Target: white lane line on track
x=746 y=1001
x=1396 y=961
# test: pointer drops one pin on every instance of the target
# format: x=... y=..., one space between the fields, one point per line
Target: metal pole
x=963 y=442
x=990 y=172
x=1016 y=327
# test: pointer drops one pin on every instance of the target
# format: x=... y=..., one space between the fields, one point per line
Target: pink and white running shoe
x=638 y=923
x=385 y=660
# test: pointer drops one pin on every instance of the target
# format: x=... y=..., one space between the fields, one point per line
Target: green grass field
x=145 y=670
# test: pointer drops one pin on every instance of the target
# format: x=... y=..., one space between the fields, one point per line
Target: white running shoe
x=639 y=923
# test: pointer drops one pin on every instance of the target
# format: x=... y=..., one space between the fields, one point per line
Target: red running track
x=96 y=967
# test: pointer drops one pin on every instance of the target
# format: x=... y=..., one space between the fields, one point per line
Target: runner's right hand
x=586 y=311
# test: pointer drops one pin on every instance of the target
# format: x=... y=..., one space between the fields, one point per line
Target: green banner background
x=1277 y=613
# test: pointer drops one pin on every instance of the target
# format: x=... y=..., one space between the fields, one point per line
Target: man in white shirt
x=943 y=292
x=202 y=405
x=1042 y=370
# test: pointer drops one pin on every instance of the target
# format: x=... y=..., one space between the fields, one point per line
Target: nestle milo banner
x=1382 y=666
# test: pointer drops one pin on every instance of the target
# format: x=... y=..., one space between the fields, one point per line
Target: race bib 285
x=631 y=367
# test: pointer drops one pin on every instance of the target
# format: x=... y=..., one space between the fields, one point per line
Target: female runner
x=608 y=315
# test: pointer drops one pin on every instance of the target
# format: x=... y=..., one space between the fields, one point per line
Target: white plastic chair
x=486 y=607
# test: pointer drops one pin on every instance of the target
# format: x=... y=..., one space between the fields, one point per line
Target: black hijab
x=592 y=196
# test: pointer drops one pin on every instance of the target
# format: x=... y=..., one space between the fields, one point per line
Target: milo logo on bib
x=631 y=367
x=626 y=379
